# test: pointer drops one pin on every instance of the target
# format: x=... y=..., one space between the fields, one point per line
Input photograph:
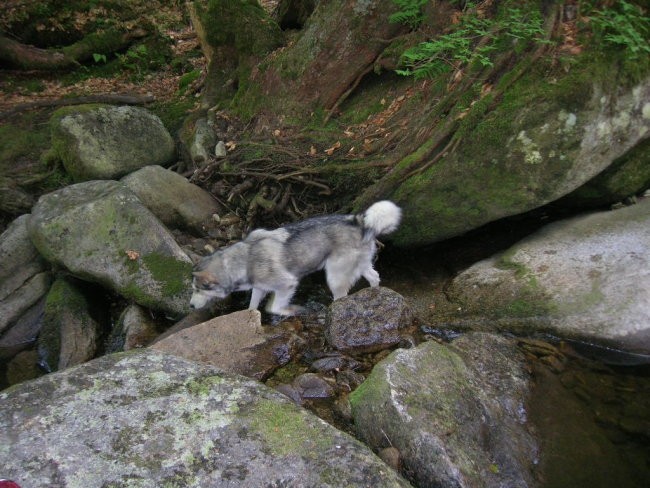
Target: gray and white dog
x=275 y=260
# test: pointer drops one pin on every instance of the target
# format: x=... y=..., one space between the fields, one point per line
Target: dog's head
x=205 y=287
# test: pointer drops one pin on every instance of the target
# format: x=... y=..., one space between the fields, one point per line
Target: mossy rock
x=97 y=142
x=70 y=335
x=101 y=232
x=438 y=404
x=584 y=278
x=155 y=420
x=540 y=141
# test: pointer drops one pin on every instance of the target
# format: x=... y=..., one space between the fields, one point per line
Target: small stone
x=370 y=320
x=220 y=150
x=310 y=385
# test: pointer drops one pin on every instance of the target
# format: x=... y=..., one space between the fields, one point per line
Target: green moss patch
x=287 y=431
x=171 y=273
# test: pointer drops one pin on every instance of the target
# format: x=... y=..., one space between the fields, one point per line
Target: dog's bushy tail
x=381 y=218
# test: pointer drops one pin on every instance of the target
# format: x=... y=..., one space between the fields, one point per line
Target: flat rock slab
x=237 y=343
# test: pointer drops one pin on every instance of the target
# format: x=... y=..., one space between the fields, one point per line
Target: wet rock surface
x=155 y=420
x=135 y=328
x=369 y=320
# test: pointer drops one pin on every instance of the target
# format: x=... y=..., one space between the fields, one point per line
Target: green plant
x=410 y=12
x=472 y=40
x=187 y=79
x=624 y=26
x=134 y=58
x=99 y=57
x=431 y=58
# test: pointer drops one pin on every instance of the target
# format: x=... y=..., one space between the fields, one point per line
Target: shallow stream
x=590 y=406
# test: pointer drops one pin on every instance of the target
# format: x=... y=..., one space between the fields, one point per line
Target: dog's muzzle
x=199 y=300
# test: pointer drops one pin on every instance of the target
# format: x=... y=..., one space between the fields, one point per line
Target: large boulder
x=456 y=413
x=101 y=232
x=149 y=419
x=584 y=278
x=174 y=200
x=541 y=142
x=97 y=142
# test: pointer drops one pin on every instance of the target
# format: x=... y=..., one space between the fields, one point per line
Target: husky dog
x=275 y=260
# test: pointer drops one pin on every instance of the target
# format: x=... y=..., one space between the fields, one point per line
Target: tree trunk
x=234 y=36
x=340 y=43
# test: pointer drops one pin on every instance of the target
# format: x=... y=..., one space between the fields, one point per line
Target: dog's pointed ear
x=205 y=276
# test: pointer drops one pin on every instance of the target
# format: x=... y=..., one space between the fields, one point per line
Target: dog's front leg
x=257 y=296
x=279 y=305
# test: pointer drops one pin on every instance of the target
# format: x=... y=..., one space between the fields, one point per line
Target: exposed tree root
x=29 y=57
x=283 y=185
x=108 y=98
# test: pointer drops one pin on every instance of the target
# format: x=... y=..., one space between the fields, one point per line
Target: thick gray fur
x=275 y=260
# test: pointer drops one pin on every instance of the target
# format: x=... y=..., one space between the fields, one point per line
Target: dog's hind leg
x=371 y=275
x=340 y=277
x=257 y=296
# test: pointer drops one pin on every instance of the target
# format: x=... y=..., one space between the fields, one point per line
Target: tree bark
x=342 y=40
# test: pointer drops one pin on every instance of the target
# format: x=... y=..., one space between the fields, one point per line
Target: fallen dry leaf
x=132 y=255
x=331 y=150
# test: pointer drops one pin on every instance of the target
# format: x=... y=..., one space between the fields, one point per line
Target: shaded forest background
x=304 y=137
